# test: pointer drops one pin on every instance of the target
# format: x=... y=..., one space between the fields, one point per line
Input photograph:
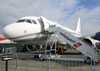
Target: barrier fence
x=31 y=62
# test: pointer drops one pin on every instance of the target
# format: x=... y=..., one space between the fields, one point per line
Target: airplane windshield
x=21 y=20
x=27 y=20
x=34 y=22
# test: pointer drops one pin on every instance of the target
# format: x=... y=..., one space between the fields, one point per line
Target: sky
x=64 y=12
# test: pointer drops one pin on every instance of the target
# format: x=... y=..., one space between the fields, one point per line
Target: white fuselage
x=30 y=30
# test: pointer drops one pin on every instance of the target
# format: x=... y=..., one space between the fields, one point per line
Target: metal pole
x=46 y=44
x=55 y=46
x=16 y=60
x=6 y=67
x=48 y=64
x=94 y=61
x=91 y=65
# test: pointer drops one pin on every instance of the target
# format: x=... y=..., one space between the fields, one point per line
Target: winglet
x=78 y=29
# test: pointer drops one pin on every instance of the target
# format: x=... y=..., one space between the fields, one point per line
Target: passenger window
x=29 y=21
x=34 y=22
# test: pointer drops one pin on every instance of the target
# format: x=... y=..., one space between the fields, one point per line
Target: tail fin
x=78 y=29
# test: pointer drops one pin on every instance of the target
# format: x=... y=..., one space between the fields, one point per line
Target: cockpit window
x=29 y=21
x=34 y=22
x=21 y=20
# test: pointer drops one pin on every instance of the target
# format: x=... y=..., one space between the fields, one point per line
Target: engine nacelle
x=97 y=36
x=92 y=42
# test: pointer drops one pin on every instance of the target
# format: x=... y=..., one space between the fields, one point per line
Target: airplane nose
x=8 y=30
x=20 y=29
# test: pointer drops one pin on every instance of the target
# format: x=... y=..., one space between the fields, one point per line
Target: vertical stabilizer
x=78 y=29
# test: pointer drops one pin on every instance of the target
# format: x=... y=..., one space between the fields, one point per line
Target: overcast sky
x=64 y=12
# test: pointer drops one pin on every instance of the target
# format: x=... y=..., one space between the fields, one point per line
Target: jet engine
x=97 y=36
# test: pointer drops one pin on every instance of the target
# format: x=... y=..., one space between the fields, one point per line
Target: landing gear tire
x=88 y=60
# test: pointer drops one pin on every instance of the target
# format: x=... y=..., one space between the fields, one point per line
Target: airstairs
x=71 y=38
x=76 y=43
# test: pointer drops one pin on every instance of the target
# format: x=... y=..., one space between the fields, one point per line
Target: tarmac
x=27 y=62
x=31 y=64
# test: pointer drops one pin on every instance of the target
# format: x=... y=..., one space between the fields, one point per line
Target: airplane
x=30 y=32
x=36 y=30
x=4 y=40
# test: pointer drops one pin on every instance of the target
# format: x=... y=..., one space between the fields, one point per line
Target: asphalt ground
x=52 y=65
x=26 y=62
